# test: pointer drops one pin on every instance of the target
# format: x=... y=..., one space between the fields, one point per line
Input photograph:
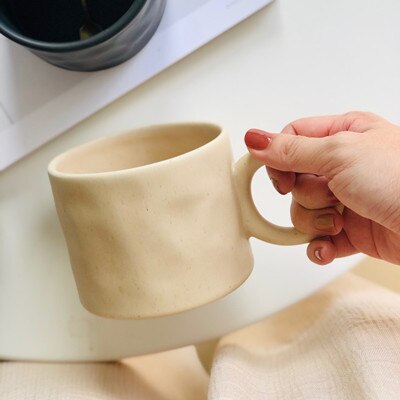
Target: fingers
x=324 y=250
x=321 y=222
x=318 y=127
x=283 y=181
x=312 y=192
x=311 y=127
x=297 y=150
x=321 y=251
x=302 y=160
x=356 y=121
x=313 y=212
x=298 y=153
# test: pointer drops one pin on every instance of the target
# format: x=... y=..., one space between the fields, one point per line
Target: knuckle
x=338 y=142
x=289 y=128
x=339 y=148
x=360 y=120
x=290 y=152
x=359 y=114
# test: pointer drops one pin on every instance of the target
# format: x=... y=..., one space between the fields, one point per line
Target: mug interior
x=135 y=149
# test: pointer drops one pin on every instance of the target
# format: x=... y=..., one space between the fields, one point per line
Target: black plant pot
x=118 y=42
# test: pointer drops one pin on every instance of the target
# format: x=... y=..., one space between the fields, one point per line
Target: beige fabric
x=380 y=272
x=172 y=375
x=342 y=343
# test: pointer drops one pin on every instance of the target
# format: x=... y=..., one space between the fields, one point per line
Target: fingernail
x=256 y=139
x=324 y=222
x=317 y=253
x=276 y=186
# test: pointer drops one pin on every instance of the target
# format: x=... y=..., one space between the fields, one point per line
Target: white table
x=292 y=59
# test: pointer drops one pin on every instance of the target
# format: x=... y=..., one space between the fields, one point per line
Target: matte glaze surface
x=153 y=222
x=157 y=239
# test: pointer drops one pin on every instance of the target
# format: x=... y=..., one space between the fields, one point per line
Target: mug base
x=176 y=310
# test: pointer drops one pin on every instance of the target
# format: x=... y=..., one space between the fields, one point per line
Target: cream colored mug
x=158 y=220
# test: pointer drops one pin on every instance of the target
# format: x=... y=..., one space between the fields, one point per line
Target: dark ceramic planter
x=116 y=44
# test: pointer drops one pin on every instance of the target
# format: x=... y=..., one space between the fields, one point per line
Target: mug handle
x=255 y=224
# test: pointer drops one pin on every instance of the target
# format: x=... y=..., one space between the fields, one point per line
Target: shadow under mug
x=115 y=44
x=158 y=220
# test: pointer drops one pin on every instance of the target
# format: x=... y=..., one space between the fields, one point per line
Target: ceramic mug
x=158 y=220
x=54 y=36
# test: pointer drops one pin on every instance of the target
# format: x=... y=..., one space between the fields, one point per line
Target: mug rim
x=63 y=47
x=53 y=171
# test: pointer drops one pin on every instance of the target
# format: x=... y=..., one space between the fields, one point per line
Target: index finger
x=321 y=126
x=283 y=181
x=318 y=127
x=355 y=121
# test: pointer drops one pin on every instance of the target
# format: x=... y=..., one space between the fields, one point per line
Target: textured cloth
x=172 y=375
x=342 y=343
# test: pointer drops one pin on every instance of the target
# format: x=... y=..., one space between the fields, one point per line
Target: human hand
x=352 y=159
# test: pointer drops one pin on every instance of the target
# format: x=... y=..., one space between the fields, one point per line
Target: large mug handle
x=255 y=224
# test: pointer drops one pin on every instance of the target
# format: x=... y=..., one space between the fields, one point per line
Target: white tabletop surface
x=292 y=59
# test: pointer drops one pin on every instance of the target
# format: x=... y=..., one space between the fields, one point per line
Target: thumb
x=294 y=153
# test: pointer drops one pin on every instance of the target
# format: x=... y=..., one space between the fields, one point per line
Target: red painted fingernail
x=256 y=139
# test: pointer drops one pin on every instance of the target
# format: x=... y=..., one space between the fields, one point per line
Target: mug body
x=151 y=220
x=114 y=45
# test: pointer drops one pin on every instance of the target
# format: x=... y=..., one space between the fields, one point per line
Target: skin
x=352 y=159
